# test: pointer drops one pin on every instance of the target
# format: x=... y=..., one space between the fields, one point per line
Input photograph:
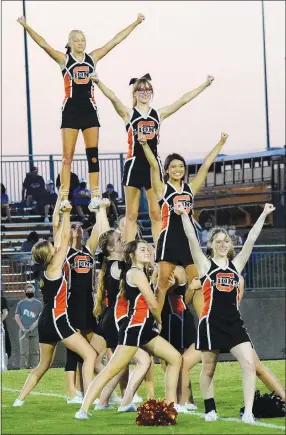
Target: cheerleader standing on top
x=79 y=109
x=143 y=120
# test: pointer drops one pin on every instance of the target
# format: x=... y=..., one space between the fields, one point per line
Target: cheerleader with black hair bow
x=144 y=120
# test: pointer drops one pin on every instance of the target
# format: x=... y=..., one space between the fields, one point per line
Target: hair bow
x=134 y=80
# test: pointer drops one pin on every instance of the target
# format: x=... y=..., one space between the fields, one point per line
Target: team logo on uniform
x=82 y=264
x=146 y=128
x=225 y=282
x=184 y=200
x=81 y=75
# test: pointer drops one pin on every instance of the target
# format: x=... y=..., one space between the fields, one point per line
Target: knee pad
x=92 y=159
x=71 y=361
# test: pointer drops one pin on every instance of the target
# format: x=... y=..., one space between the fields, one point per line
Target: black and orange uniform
x=79 y=110
x=220 y=326
x=136 y=171
x=139 y=327
x=79 y=268
x=54 y=324
x=173 y=245
x=178 y=326
x=115 y=306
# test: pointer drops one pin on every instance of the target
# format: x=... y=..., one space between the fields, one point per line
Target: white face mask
x=231 y=232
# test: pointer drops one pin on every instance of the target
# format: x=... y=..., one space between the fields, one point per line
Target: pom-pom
x=156 y=413
x=267 y=406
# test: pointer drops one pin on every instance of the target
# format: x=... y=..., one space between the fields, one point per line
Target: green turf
x=51 y=415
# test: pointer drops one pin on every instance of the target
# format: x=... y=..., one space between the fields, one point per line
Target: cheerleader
x=221 y=327
x=173 y=246
x=79 y=108
x=54 y=324
x=140 y=329
x=145 y=120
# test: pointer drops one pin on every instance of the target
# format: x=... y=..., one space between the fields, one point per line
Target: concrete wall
x=263 y=314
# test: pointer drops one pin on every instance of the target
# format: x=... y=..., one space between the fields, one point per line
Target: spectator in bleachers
x=32 y=238
x=4 y=314
x=81 y=198
x=110 y=194
x=27 y=316
x=205 y=234
x=52 y=196
x=74 y=183
x=34 y=189
x=236 y=239
x=5 y=209
x=112 y=211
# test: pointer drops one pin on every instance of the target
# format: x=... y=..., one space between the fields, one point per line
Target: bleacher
x=16 y=270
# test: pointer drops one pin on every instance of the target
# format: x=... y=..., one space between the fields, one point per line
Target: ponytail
x=38 y=273
x=100 y=292
x=124 y=270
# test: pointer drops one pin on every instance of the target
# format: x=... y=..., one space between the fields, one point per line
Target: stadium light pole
x=29 y=120
x=265 y=79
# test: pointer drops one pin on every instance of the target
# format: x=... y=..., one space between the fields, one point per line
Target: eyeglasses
x=144 y=91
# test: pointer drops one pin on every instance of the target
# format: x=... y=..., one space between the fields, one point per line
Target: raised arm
x=201 y=176
x=122 y=110
x=201 y=261
x=242 y=258
x=167 y=111
x=99 y=53
x=54 y=269
x=139 y=279
x=100 y=227
x=58 y=56
x=157 y=185
x=56 y=213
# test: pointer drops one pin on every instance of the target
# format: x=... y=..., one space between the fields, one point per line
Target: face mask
x=231 y=232
x=30 y=294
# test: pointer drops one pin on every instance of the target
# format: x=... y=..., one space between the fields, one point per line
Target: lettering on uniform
x=81 y=75
x=82 y=264
x=146 y=128
x=225 y=282
x=186 y=202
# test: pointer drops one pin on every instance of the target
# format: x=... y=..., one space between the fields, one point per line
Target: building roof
x=230 y=157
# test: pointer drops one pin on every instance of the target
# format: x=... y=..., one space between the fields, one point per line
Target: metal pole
x=30 y=142
x=265 y=80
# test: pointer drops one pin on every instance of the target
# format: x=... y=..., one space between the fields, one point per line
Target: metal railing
x=265 y=270
x=15 y=168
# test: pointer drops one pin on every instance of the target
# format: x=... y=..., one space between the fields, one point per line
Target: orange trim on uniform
x=130 y=143
x=106 y=297
x=67 y=84
x=176 y=304
x=165 y=215
x=66 y=271
x=121 y=308
x=60 y=304
x=140 y=311
x=92 y=96
x=207 y=290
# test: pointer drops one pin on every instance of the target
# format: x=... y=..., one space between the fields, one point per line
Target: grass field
x=46 y=412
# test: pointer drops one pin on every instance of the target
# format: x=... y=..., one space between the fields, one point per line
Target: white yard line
x=35 y=393
x=197 y=414
x=238 y=420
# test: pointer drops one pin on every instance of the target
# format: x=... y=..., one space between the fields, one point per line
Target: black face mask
x=30 y=294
